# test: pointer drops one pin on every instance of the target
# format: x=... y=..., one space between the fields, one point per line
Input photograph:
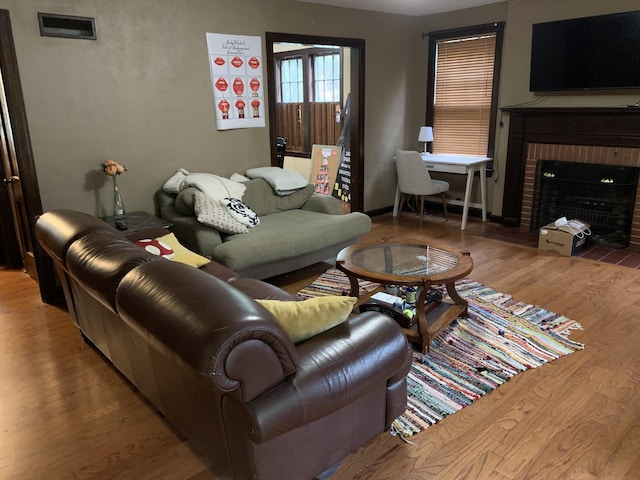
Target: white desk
x=460 y=164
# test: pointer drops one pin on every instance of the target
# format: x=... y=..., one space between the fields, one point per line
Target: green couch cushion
x=259 y=196
x=288 y=235
x=185 y=201
x=263 y=200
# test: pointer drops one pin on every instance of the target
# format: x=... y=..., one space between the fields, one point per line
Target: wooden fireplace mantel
x=613 y=127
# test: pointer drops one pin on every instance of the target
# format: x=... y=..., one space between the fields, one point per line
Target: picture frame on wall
x=235 y=62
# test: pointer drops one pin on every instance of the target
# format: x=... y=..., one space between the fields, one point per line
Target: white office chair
x=414 y=179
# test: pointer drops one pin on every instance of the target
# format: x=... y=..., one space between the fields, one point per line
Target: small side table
x=140 y=221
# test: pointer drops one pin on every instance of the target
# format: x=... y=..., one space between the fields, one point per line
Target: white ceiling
x=406 y=7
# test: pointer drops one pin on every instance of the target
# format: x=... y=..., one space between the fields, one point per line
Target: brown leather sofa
x=217 y=364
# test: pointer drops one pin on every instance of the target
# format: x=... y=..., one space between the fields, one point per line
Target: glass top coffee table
x=412 y=264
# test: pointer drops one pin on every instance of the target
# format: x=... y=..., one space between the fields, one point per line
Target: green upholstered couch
x=295 y=231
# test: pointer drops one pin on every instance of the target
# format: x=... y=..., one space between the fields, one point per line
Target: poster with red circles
x=237 y=82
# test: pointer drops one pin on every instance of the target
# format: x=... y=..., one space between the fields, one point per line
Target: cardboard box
x=565 y=239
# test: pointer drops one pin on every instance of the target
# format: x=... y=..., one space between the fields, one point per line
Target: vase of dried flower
x=118 y=203
x=114 y=169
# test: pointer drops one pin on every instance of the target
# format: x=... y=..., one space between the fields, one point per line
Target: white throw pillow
x=241 y=211
x=213 y=214
x=284 y=182
x=214 y=186
x=173 y=184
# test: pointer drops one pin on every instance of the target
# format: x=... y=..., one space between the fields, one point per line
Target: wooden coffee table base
x=433 y=317
x=430 y=318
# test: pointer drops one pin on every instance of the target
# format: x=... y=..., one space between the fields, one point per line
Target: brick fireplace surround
x=609 y=136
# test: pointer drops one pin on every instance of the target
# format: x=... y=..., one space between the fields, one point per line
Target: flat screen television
x=600 y=52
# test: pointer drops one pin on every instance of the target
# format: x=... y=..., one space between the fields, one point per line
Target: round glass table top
x=404 y=259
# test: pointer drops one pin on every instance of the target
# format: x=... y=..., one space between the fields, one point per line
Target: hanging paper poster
x=235 y=62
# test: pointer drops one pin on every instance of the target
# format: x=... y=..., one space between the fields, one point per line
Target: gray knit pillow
x=214 y=214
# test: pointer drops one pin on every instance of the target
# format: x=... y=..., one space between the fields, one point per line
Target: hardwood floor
x=66 y=414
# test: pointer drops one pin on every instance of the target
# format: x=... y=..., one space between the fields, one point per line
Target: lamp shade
x=426 y=134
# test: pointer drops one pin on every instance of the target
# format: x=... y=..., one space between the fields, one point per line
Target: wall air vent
x=67 y=26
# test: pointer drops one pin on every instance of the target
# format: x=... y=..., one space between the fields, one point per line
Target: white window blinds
x=463 y=89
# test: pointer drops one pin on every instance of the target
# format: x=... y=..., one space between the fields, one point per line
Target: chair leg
x=444 y=206
x=421 y=197
x=403 y=198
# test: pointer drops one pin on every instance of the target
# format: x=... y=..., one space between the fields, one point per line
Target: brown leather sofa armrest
x=99 y=262
x=335 y=368
x=56 y=230
x=202 y=320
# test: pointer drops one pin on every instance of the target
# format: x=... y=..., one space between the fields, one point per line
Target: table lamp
x=425 y=135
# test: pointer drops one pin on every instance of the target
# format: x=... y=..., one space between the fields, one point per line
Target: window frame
x=434 y=38
x=281 y=81
x=314 y=80
x=307 y=55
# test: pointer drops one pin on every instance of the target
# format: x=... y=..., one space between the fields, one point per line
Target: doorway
x=20 y=202
x=352 y=104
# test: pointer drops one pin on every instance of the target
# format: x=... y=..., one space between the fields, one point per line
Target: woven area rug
x=334 y=282
x=500 y=338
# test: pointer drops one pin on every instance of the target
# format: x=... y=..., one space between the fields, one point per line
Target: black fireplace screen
x=601 y=195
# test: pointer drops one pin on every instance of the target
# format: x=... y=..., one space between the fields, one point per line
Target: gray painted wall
x=141 y=93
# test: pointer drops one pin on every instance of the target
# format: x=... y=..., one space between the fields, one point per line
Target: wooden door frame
x=49 y=291
x=357 y=102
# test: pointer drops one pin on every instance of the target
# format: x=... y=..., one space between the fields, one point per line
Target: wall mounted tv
x=601 y=52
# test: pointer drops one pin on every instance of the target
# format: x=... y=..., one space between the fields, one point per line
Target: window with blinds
x=463 y=95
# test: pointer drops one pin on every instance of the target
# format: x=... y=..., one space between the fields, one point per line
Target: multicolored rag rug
x=500 y=338
x=334 y=282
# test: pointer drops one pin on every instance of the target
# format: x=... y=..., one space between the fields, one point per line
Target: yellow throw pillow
x=307 y=318
x=175 y=251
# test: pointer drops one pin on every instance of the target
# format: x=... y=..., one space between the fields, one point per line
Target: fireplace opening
x=601 y=195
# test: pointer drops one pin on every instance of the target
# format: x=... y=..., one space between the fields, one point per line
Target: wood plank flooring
x=66 y=414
